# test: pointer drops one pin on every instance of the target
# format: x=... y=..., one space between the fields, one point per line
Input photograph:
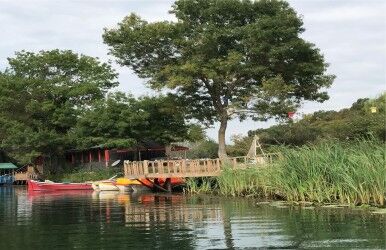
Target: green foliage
x=346 y=124
x=83 y=175
x=241 y=145
x=196 y=133
x=222 y=58
x=41 y=97
x=123 y=121
x=203 y=149
x=55 y=100
x=330 y=172
x=200 y=185
x=247 y=182
x=351 y=173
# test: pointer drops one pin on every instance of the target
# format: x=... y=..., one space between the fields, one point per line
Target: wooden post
x=90 y=156
x=184 y=166
x=73 y=158
x=107 y=157
x=168 y=185
x=99 y=155
x=234 y=163
x=174 y=167
x=156 y=183
x=145 y=167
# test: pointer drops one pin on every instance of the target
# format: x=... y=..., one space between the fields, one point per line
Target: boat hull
x=146 y=185
x=107 y=186
x=52 y=186
x=124 y=188
x=104 y=186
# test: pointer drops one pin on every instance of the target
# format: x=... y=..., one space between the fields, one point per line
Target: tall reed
x=352 y=173
x=330 y=172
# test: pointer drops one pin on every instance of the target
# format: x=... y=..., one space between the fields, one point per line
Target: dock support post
x=168 y=185
x=156 y=184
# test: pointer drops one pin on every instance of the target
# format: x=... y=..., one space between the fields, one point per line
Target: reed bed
x=330 y=172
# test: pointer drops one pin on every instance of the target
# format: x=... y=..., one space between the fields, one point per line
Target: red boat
x=52 y=186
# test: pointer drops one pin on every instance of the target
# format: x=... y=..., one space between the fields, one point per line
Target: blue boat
x=7 y=173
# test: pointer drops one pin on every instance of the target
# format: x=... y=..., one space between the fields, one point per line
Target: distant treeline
x=365 y=118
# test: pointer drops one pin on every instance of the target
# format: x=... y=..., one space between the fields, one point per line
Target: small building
x=101 y=156
x=7 y=173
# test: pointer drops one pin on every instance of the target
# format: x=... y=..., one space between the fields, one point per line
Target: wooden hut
x=7 y=173
x=101 y=156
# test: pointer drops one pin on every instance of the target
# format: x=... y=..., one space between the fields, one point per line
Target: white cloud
x=347 y=13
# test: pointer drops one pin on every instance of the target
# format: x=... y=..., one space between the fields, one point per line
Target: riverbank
x=83 y=175
x=330 y=172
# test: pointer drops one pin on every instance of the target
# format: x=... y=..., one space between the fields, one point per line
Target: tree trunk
x=221 y=138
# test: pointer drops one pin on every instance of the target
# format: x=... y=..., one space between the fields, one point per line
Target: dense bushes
x=203 y=149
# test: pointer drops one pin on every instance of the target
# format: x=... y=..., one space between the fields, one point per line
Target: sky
x=350 y=34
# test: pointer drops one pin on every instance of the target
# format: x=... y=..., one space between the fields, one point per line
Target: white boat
x=124 y=188
x=104 y=186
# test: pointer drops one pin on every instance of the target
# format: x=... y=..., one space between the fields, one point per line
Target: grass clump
x=200 y=185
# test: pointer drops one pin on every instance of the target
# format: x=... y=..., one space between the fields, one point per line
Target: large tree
x=42 y=96
x=225 y=59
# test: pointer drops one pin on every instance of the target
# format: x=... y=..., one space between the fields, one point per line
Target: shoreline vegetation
x=345 y=173
x=84 y=175
x=348 y=173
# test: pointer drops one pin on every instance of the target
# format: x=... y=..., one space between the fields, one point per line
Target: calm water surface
x=88 y=220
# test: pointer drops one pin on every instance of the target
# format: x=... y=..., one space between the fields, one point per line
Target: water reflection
x=108 y=220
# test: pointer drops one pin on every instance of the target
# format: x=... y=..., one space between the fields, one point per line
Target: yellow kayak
x=125 y=181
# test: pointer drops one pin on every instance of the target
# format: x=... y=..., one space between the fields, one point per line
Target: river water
x=89 y=220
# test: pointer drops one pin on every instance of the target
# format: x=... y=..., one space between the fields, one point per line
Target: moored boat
x=6 y=179
x=106 y=185
x=124 y=188
x=52 y=186
x=144 y=185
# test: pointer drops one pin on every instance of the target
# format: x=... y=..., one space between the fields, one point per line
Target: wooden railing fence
x=191 y=168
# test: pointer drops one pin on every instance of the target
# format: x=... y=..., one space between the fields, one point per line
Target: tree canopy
x=56 y=100
x=41 y=97
x=123 y=121
x=225 y=59
x=348 y=124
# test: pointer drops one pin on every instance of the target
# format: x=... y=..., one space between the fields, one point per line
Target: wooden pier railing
x=27 y=173
x=171 y=168
x=190 y=168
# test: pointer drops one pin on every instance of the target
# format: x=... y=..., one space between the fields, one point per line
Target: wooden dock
x=27 y=173
x=190 y=168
